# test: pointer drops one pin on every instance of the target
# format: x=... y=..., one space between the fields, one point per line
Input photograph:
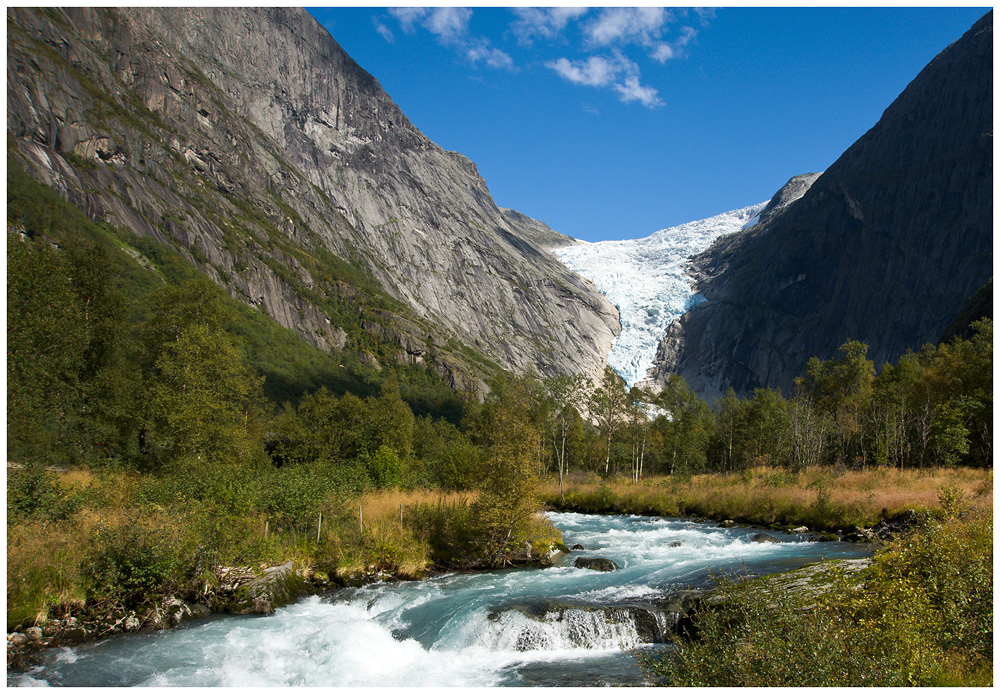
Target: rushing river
x=559 y=626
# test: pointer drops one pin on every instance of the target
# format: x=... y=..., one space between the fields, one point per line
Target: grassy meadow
x=822 y=498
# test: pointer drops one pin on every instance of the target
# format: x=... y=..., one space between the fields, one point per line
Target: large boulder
x=595 y=564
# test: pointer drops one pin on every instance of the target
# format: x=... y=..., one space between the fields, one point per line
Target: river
x=559 y=626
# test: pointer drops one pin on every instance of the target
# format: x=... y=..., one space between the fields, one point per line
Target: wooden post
x=361 y=519
x=319 y=526
x=265 y=530
x=400 y=518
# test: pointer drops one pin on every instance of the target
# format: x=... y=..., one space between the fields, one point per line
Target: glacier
x=646 y=279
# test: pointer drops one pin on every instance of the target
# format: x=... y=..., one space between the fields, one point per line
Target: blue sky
x=611 y=123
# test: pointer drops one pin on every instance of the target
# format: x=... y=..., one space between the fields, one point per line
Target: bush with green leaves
x=32 y=492
x=130 y=563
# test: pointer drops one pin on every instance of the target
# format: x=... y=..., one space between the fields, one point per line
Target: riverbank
x=408 y=535
x=822 y=499
x=116 y=565
x=919 y=614
x=561 y=627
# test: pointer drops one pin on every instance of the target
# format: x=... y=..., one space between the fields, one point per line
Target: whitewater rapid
x=521 y=627
x=646 y=279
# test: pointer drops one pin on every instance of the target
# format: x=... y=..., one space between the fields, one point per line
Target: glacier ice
x=646 y=280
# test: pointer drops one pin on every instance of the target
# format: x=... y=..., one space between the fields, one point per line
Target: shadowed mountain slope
x=886 y=246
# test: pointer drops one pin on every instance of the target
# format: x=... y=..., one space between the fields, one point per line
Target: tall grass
x=43 y=569
x=821 y=498
x=388 y=531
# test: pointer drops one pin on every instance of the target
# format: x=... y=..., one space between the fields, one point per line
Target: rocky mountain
x=886 y=246
x=252 y=143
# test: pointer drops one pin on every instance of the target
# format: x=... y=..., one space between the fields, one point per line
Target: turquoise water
x=526 y=627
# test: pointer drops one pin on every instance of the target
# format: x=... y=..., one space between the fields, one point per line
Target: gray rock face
x=885 y=247
x=253 y=143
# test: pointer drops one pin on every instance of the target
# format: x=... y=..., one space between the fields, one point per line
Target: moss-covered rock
x=274 y=587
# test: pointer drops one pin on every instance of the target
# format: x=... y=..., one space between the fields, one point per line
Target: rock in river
x=595 y=564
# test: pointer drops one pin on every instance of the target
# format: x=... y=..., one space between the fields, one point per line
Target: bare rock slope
x=249 y=140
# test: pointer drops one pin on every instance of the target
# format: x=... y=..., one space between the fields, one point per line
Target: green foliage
x=923 y=609
x=204 y=399
x=129 y=563
x=33 y=493
x=449 y=529
x=385 y=469
x=509 y=471
x=449 y=458
x=607 y=406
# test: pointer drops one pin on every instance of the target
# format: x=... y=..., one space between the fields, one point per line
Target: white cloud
x=687 y=35
x=449 y=23
x=662 y=53
x=384 y=31
x=642 y=25
x=599 y=71
x=481 y=49
x=543 y=22
x=596 y=71
x=633 y=91
x=451 y=27
x=705 y=14
x=408 y=17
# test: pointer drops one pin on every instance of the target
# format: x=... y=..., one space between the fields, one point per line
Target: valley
x=282 y=376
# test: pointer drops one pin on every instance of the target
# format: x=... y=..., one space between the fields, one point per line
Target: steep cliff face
x=886 y=246
x=251 y=141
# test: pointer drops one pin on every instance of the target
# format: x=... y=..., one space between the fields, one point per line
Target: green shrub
x=32 y=492
x=758 y=638
x=385 y=468
x=130 y=563
x=923 y=616
x=448 y=529
x=291 y=496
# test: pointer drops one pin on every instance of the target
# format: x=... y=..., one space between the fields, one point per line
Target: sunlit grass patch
x=821 y=497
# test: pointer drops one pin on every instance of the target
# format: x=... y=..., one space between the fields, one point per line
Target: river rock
x=728 y=524
x=577 y=546
x=651 y=622
x=764 y=537
x=799 y=530
x=675 y=543
x=595 y=564
x=33 y=633
x=275 y=587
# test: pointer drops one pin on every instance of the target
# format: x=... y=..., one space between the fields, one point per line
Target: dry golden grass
x=43 y=568
x=384 y=505
x=821 y=497
x=387 y=539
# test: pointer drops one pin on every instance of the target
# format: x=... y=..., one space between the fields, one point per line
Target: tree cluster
x=933 y=407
